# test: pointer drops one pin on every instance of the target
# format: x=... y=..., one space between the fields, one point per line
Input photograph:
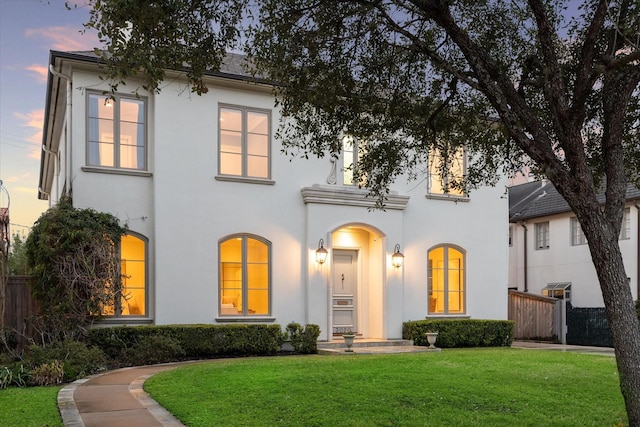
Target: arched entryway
x=357 y=281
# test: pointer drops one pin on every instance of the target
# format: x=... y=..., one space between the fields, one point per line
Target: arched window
x=446 y=280
x=133 y=289
x=244 y=276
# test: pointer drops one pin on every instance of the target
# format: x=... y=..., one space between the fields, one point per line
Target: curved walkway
x=116 y=398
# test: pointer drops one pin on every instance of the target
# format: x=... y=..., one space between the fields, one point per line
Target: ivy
x=72 y=254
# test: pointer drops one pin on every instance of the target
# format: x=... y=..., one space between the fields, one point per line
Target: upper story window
x=443 y=172
x=116 y=132
x=131 y=296
x=351 y=155
x=542 y=235
x=244 y=142
x=446 y=280
x=244 y=276
x=625 y=229
x=577 y=235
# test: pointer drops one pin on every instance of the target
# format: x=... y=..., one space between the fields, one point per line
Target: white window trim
x=577 y=235
x=625 y=227
x=545 y=242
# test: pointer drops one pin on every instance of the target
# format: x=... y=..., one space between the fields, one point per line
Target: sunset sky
x=28 y=30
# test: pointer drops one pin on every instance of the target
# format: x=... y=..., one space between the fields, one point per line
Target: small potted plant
x=431 y=338
x=348 y=340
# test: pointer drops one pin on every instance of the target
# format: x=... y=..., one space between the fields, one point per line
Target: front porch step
x=338 y=342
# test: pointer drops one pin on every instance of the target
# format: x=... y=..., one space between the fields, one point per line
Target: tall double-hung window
x=352 y=152
x=625 y=228
x=446 y=280
x=244 y=142
x=444 y=172
x=116 y=132
x=577 y=235
x=245 y=276
x=131 y=294
x=542 y=235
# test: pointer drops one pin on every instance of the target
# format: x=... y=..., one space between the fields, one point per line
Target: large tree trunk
x=620 y=309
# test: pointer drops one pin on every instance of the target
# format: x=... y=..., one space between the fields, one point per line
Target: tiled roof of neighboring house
x=540 y=198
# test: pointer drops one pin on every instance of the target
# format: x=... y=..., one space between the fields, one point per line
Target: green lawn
x=30 y=407
x=471 y=387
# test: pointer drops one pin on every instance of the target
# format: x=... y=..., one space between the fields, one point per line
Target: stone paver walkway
x=116 y=398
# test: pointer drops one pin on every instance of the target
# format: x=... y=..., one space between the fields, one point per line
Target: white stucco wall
x=562 y=262
x=185 y=211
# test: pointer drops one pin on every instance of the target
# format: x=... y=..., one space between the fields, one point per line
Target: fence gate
x=588 y=326
x=535 y=317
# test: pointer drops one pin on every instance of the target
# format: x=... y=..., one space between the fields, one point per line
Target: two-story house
x=548 y=252
x=224 y=227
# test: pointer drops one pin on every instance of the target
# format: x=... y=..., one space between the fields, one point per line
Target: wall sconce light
x=397 y=258
x=321 y=253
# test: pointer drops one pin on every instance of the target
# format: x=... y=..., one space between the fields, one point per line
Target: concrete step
x=338 y=342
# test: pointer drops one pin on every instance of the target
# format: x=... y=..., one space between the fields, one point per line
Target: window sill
x=125 y=321
x=447 y=316
x=245 y=319
x=114 y=171
x=450 y=198
x=244 y=179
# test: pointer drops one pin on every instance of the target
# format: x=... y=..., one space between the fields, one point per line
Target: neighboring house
x=224 y=227
x=548 y=253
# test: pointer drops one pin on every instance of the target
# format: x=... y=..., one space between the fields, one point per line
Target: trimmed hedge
x=155 y=344
x=461 y=332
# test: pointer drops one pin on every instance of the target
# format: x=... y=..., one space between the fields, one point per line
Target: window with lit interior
x=351 y=155
x=446 y=280
x=444 y=172
x=244 y=276
x=244 y=146
x=116 y=132
x=131 y=298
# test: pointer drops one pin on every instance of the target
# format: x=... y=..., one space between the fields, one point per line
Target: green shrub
x=638 y=308
x=461 y=332
x=310 y=339
x=47 y=374
x=154 y=349
x=195 y=341
x=304 y=340
x=78 y=360
x=8 y=340
x=14 y=375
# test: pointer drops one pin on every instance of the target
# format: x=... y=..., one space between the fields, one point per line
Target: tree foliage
x=18 y=264
x=519 y=84
x=72 y=254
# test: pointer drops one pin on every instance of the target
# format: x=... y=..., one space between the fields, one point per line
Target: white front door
x=345 y=285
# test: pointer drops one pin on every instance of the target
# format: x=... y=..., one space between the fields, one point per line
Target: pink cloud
x=39 y=72
x=17 y=178
x=35 y=120
x=65 y=38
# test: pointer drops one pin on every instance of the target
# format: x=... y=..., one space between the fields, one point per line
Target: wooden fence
x=535 y=317
x=19 y=304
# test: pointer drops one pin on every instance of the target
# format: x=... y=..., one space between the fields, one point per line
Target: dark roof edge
x=90 y=57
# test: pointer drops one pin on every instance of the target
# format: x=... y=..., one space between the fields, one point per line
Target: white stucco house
x=548 y=252
x=224 y=227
